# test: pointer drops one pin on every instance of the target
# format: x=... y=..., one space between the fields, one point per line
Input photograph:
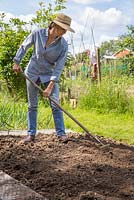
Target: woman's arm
x=27 y=43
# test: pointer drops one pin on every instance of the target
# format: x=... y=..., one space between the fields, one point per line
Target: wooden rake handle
x=66 y=112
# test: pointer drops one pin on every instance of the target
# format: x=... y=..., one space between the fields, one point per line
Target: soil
x=78 y=170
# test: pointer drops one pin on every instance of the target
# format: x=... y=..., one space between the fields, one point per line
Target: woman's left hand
x=47 y=92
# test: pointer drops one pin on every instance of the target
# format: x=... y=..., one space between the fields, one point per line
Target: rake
x=67 y=113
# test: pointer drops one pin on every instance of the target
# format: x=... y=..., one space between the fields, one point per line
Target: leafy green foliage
x=108 y=48
x=46 y=13
x=110 y=96
x=125 y=41
x=9 y=43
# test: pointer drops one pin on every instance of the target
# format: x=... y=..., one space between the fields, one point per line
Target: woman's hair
x=51 y=25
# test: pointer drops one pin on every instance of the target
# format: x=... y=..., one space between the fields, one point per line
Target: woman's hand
x=47 y=92
x=17 y=68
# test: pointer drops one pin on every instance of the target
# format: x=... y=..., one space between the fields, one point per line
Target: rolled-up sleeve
x=27 y=43
x=59 y=65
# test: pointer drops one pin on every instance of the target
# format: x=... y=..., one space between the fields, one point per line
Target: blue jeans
x=32 y=93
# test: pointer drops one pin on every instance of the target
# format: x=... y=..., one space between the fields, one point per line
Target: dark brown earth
x=78 y=170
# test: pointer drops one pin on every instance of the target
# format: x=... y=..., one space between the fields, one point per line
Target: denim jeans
x=32 y=93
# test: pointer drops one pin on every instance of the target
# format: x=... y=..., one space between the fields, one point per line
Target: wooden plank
x=11 y=189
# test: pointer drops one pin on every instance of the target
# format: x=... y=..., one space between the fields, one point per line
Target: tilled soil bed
x=78 y=170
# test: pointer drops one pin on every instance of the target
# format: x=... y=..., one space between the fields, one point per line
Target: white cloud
x=25 y=18
x=104 y=20
x=107 y=25
x=104 y=38
x=7 y=16
x=90 y=1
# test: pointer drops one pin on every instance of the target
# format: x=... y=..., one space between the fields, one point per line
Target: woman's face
x=57 y=31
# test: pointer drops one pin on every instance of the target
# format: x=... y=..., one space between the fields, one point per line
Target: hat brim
x=65 y=26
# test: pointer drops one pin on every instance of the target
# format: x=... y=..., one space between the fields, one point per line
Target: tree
x=11 y=36
x=108 y=48
x=127 y=41
x=46 y=13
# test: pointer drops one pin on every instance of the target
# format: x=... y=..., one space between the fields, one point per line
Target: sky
x=94 y=21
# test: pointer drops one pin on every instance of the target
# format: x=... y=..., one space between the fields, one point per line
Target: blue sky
x=107 y=18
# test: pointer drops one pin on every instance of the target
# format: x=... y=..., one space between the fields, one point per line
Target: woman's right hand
x=17 y=68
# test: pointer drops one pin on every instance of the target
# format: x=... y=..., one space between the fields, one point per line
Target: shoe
x=29 y=138
x=63 y=139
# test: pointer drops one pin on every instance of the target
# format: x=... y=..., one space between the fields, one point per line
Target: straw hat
x=64 y=21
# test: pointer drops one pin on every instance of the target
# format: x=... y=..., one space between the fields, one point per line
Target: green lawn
x=117 y=126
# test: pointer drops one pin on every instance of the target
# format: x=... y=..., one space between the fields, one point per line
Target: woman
x=45 y=66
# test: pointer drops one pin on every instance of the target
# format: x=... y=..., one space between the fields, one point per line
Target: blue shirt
x=45 y=63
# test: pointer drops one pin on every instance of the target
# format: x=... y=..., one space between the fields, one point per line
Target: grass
x=110 y=96
x=105 y=110
x=12 y=115
x=117 y=126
